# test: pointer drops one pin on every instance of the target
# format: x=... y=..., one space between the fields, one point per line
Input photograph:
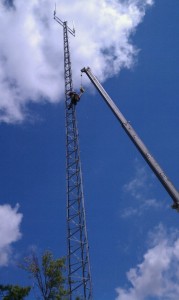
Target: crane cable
x=81 y=80
x=82 y=90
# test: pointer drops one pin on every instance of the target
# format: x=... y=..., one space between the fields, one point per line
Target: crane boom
x=168 y=185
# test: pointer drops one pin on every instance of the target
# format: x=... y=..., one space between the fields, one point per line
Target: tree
x=13 y=292
x=48 y=276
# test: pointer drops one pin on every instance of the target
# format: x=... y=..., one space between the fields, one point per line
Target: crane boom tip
x=84 y=70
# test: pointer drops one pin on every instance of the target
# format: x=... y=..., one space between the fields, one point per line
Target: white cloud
x=157 y=276
x=138 y=189
x=10 y=220
x=136 y=186
x=31 y=52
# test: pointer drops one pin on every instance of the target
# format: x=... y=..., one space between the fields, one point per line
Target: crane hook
x=82 y=90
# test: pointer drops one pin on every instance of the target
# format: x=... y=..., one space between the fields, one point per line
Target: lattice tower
x=78 y=263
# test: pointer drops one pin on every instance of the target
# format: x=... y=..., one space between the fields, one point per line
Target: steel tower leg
x=78 y=264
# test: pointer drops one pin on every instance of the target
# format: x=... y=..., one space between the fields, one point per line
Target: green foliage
x=47 y=275
x=13 y=292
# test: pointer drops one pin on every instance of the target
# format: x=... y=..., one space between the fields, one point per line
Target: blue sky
x=132 y=231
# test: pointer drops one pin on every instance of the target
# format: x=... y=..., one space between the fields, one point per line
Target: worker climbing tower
x=78 y=264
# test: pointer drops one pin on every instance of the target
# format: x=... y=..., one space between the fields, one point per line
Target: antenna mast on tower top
x=78 y=264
